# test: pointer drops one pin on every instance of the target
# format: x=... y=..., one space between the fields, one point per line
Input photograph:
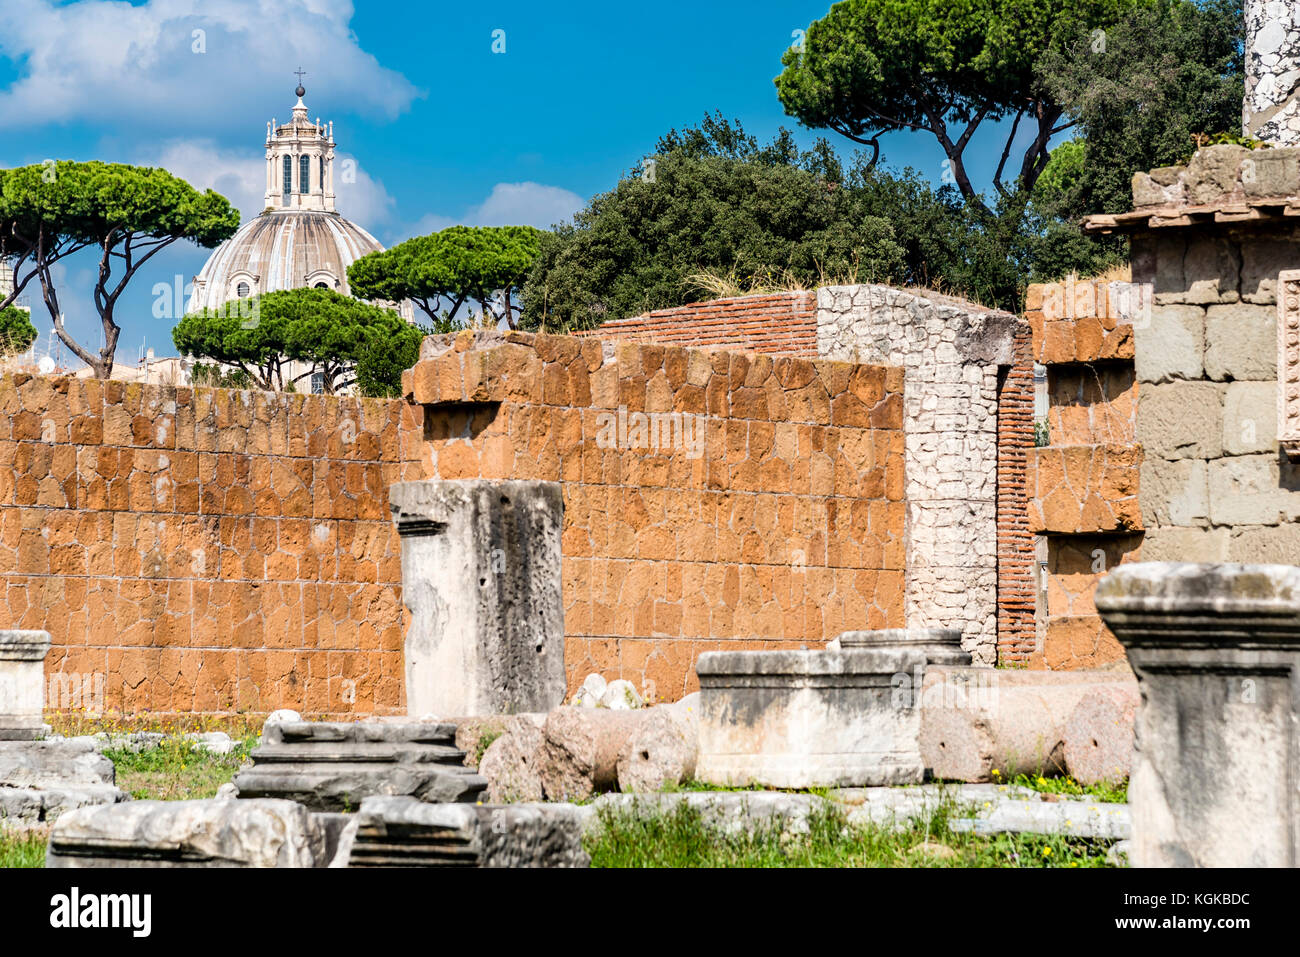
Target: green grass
x=176 y=770
x=22 y=849
x=1104 y=793
x=680 y=838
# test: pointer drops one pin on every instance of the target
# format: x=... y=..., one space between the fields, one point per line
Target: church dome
x=282 y=249
x=300 y=239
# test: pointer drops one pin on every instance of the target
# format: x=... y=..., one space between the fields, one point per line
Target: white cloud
x=113 y=63
x=510 y=204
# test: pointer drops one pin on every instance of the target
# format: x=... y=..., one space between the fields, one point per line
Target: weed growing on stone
x=1105 y=792
x=176 y=769
x=681 y=838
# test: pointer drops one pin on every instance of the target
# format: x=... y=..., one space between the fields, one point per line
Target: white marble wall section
x=950 y=352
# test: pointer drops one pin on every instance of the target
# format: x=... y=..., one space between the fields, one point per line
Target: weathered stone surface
x=1273 y=172
x=41 y=780
x=941 y=646
x=475 y=735
x=403 y=832
x=798 y=719
x=977 y=721
x=621 y=695
x=1181 y=420
x=1240 y=343
x=580 y=749
x=1085 y=488
x=1214 y=172
x=982 y=808
x=661 y=751
x=1185 y=544
x=1216 y=649
x=488 y=639
x=1250 y=418
x=1098 y=735
x=46 y=764
x=1174 y=492
x=1171 y=345
x=188 y=834
x=1253 y=490
x=333 y=766
x=1278 y=544
x=22 y=683
x=593 y=687
x=512 y=766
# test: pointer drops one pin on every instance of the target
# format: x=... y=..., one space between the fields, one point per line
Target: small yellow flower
x=1047 y=852
x=996 y=773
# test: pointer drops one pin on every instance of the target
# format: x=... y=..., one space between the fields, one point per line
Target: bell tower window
x=304 y=174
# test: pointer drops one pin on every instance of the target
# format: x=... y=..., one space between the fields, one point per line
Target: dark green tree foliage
x=130 y=213
x=484 y=265
x=946 y=67
x=16 y=331
x=260 y=336
x=382 y=362
x=710 y=198
x=1166 y=72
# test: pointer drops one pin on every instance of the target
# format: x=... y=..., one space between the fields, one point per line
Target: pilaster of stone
x=1216 y=650
x=22 y=683
x=481 y=579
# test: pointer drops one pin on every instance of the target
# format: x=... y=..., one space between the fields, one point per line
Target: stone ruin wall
x=203 y=550
x=1216 y=242
x=1084 y=482
x=778 y=525
x=968 y=428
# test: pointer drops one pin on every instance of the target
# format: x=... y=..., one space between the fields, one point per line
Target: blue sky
x=443 y=130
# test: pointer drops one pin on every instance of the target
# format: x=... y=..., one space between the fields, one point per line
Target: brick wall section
x=780 y=324
x=206 y=550
x=784 y=531
x=1084 y=484
x=1017 y=630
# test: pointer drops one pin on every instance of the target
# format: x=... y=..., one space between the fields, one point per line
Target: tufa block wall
x=1084 y=484
x=713 y=500
x=204 y=550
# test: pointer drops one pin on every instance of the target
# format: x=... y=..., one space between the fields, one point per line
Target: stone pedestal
x=800 y=719
x=481 y=578
x=334 y=766
x=22 y=684
x=1216 y=649
x=941 y=646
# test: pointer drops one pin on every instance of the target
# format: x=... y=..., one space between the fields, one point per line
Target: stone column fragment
x=481 y=578
x=22 y=684
x=1216 y=649
x=802 y=719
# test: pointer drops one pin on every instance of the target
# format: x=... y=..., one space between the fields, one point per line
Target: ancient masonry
x=1216 y=241
x=968 y=430
x=1084 y=482
x=712 y=500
